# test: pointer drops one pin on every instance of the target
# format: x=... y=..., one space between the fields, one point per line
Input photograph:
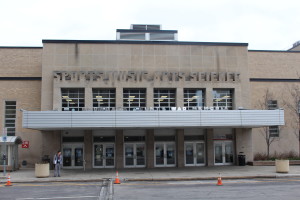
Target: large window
x=193 y=98
x=104 y=98
x=10 y=117
x=134 y=99
x=223 y=98
x=164 y=99
x=72 y=99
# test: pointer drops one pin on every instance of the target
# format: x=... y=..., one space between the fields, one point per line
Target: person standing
x=57 y=161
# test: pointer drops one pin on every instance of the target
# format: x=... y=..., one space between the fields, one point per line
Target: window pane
x=134 y=98
x=193 y=98
x=72 y=99
x=223 y=98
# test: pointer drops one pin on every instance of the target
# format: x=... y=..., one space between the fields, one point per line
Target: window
x=132 y=36
x=164 y=99
x=272 y=104
x=72 y=99
x=134 y=99
x=273 y=131
x=162 y=36
x=193 y=98
x=223 y=98
x=10 y=117
x=104 y=98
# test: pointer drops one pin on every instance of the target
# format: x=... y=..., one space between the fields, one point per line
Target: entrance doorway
x=223 y=152
x=134 y=155
x=73 y=156
x=104 y=155
x=194 y=153
x=165 y=154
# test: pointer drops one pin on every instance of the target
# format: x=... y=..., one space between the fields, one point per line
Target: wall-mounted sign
x=25 y=144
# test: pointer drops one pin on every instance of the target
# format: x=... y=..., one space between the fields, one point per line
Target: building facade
x=146 y=100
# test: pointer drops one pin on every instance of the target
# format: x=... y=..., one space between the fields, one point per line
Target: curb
x=163 y=179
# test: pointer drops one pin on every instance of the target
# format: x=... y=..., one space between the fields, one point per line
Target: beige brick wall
x=20 y=62
x=274 y=64
x=27 y=94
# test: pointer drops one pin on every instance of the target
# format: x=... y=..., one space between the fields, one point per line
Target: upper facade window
x=193 y=98
x=223 y=98
x=104 y=98
x=272 y=104
x=134 y=99
x=10 y=117
x=164 y=99
x=72 y=99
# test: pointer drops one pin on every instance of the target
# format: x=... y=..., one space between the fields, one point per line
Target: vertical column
x=88 y=149
x=180 y=147
x=179 y=97
x=88 y=97
x=56 y=98
x=243 y=140
x=150 y=148
x=119 y=149
x=209 y=97
x=210 y=147
x=149 y=97
x=51 y=142
x=119 y=97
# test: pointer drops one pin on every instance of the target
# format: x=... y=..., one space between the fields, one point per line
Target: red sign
x=25 y=144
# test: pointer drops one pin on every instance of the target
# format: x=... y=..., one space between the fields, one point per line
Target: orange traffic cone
x=117 y=180
x=8 y=183
x=219 y=181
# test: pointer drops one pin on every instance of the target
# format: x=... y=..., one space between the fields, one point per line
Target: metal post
x=5 y=152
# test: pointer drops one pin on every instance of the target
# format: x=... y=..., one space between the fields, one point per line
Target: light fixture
x=226 y=96
x=131 y=96
x=98 y=96
x=163 y=96
x=130 y=99
x=195 y=97
x=65 y=97
x=72 y=103
x=99 y=99
x=160 y=100
x=68 y=99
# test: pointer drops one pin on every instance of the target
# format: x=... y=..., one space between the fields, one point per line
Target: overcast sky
x=264 y=24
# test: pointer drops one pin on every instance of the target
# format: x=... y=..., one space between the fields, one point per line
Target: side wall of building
x=17 y=64
x=276 y=73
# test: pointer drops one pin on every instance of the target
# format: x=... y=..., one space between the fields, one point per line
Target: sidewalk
x=157 y=174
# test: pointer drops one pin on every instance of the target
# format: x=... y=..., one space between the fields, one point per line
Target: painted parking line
x=211 y=182
x=52 y=184
x=76 y=197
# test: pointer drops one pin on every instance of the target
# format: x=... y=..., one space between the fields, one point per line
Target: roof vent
x=145 y=27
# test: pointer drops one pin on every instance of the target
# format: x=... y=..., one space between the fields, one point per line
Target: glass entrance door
x=223 y=152
x=134 y=155
x=194 y=153
x=73 y=155
x=165 y=154
x=104 y=155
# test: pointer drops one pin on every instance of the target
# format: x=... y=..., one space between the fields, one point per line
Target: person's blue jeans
x=57 y=170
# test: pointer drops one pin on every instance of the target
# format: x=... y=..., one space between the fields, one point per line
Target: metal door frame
x=135 y=156
x=223 y=142
x=194 y=149
x=165 y=151
x=73 y=146
x=104 y=152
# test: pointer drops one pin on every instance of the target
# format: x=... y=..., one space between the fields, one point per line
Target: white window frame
x=160 y=98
